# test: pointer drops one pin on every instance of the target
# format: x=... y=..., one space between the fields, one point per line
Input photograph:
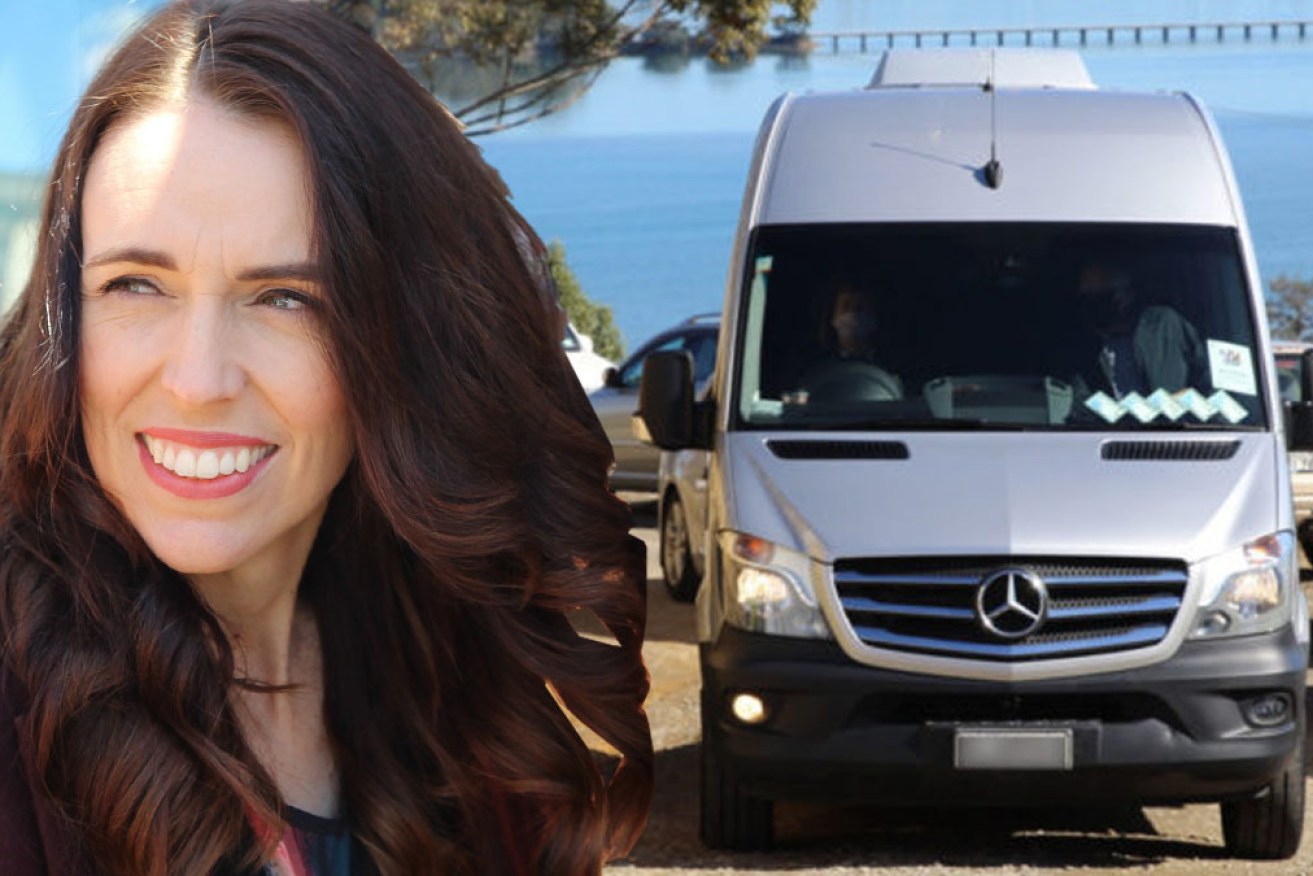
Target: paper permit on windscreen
x=1195 y=403
x=1166 y=404
x=1231 y=367
x=1135 y=405
x=1228 y=407
x=1171 y=406
x=1105 y=406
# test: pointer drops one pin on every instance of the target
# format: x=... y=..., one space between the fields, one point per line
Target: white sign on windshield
x=1232 y=367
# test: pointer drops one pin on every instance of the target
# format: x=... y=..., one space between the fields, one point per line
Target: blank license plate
x=1012 y=749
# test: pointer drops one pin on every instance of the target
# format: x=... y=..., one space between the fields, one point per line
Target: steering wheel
x=851 y=380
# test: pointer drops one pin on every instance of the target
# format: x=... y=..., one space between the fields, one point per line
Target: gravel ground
x=855 y=841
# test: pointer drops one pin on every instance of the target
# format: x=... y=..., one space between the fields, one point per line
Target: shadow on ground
x=814 y=836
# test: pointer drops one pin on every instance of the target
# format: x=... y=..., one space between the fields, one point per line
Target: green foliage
x=503 y=63
x=1290 y=308
x=594 y=320
x=738 y=27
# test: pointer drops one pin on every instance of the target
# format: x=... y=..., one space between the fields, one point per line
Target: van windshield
x=997 y=325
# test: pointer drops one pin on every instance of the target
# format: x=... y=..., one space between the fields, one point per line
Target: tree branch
x=570 y=68
x=586 y=37
x=543 y=113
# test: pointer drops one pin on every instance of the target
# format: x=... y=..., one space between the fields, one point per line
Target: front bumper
x=1169 y=733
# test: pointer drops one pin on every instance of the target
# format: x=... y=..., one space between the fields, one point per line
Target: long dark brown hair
x=472 y=524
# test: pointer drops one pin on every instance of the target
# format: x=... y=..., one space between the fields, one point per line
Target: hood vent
x=1183 y=451
x=805 y=449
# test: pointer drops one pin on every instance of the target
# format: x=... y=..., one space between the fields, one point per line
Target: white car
x=682 y=520
x=636 y=461
x=589 y=367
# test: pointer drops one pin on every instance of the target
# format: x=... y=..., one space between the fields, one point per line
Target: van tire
x=677 y=570
x=731 y=819
x=1269 y=825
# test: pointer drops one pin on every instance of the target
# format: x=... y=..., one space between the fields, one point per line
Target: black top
x=317 y=846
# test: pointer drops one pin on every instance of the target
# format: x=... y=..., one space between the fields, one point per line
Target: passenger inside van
x=847 y=369
x=1137 y=348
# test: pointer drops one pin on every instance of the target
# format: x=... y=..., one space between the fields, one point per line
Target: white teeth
x=185 y=466
x=207 y=465
x=189 y=462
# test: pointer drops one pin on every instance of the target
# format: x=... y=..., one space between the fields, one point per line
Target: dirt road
x=850 y=841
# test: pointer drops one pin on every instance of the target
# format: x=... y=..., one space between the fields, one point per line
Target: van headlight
x=768 y=588
x=1247 y=590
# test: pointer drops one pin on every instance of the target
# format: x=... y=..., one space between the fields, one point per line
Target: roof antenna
x=993 y=171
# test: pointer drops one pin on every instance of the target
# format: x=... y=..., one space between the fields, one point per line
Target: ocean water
x=642 y=178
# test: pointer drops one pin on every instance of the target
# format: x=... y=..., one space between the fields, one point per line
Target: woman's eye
x=286 y=299
x=130 y=286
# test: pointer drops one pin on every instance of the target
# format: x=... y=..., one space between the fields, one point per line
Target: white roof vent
x=1005 y=68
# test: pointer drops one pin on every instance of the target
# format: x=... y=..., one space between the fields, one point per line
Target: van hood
x=1004 y=494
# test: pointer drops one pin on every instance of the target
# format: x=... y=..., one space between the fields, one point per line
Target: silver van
x=998 y=501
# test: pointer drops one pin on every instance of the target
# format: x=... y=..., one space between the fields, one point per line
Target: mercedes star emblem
x=1012 y=603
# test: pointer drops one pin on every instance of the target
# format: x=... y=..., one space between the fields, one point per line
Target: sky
x=48 y=51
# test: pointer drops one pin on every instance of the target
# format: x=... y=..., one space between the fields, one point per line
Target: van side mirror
x=611 y=379
x=665 y=399
x=1299 y=415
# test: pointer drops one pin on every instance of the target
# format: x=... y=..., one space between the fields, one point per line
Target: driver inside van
x=847 y=370
x=1137 y=349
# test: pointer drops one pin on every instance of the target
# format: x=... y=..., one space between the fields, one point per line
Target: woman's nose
x=202 y=367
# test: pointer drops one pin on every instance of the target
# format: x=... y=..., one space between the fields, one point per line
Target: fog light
x=1213 y=623
x=748 y=708
x=1268 y=710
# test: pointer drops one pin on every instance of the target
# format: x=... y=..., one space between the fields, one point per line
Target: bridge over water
x=1065 y=35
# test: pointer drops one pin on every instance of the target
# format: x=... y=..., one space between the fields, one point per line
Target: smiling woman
x=201 y=347
x=299 y=490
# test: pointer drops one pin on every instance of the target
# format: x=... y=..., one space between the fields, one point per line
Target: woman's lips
x=202 y=465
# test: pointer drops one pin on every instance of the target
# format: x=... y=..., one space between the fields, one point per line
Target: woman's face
x=853 y=320
x=210 y=411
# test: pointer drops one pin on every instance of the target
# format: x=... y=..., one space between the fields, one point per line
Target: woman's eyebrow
x=134 y=254
x=155 y=258
x=291 y=271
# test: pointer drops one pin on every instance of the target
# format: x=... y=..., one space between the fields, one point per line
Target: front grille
x=928 y=605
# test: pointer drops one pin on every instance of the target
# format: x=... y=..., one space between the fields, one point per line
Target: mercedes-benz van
x=998 y=500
